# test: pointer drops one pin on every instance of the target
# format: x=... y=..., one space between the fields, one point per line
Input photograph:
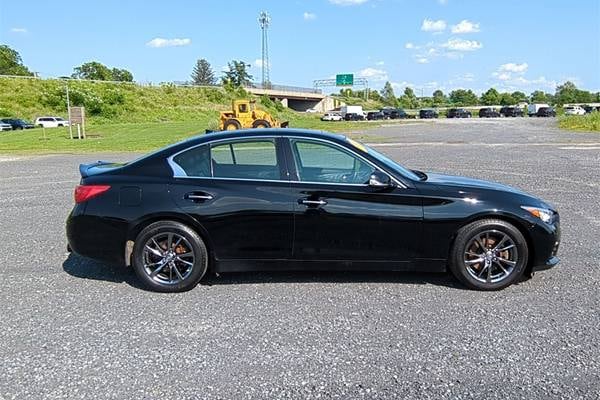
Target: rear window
x=252 y=159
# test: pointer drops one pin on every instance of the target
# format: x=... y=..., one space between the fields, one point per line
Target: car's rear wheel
x=169 y=257
x=489 y=255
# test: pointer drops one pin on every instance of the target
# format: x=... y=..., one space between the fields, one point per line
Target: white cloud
x=308 y=16
x=380 y=63
x=465 y=26
x=161 y=42
x=462 y=45
x=373 y=74
x=347 y=2
x=430 y=25
x=512 y=67
x=409 y=45
x=18 y=30
x=443 y=2
x=422 y=60
x=503 y=76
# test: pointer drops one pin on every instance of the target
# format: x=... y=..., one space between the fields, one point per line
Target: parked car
x=574 y=110
x=5 y=127
x=354 y=117
x=546 y=112
x=589 y=109
x=51 y=122
x=332 y=117
x=398 y=113
x=458 y=113
x=511 y=112
x=393 y=113
x=302 y=200
x=428 y=114
x=375 y=115
x=17 y=123
x=488 y=112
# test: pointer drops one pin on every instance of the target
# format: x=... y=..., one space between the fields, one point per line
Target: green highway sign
x=344 y=80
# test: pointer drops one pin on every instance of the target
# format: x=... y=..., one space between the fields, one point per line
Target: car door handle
x=316 y=203
x=198 y=196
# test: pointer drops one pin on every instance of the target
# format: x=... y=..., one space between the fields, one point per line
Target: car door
x=338 y=216
x=238 y=191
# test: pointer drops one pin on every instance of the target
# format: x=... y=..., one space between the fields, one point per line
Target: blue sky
x=428 y=44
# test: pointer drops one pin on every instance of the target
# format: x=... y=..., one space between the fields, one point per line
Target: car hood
x=471 y=183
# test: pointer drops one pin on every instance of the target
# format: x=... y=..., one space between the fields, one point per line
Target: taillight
x=86 y=192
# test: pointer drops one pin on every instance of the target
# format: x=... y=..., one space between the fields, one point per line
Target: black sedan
x=273 y=199
x=17 y=123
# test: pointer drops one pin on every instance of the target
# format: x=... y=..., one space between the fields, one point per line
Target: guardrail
x=174 y=83
x=283 y=88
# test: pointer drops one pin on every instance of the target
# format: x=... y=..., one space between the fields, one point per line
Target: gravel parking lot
x=74 y=328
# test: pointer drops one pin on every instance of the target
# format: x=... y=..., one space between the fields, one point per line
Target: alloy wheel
x=490 y=256
x=168 y=258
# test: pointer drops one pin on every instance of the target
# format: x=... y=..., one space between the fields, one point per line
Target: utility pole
x=264 y=20
x=69 y=111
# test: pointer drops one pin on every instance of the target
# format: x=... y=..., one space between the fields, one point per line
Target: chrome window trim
x=176 y=168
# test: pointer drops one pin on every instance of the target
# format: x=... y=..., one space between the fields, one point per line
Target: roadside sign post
x=77 y=117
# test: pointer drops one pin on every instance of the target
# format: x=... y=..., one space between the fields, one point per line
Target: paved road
x=74 y=328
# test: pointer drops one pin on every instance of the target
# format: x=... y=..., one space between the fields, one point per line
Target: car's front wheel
x=489 y=254
x=169 y=257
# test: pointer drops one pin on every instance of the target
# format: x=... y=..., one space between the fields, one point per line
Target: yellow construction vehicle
x=246 y=115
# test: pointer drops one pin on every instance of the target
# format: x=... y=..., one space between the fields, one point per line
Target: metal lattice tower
x=264 y=20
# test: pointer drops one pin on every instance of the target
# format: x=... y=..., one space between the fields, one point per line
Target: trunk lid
x=98 y=167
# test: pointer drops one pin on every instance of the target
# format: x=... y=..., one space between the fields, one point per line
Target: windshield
x=386 y=161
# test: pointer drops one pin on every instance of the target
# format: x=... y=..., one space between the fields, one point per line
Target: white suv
x=51 y=122
x=574 y=110
x=331 y=117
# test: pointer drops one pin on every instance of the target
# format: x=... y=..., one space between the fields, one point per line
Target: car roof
x=240 y=133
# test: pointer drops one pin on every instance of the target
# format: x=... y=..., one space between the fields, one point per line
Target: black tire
x=194 y=273
x=231 y=125
x=466 y=238
x=261 y=123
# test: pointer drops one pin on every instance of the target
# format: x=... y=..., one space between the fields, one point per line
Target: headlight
x=542 y=213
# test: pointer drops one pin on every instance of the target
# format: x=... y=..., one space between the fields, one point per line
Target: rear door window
x=252 y=159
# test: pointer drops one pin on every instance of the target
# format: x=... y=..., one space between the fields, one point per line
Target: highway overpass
x=296 y=98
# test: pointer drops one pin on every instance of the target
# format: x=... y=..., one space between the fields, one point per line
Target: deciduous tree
x=237 y=75
x=11 y=62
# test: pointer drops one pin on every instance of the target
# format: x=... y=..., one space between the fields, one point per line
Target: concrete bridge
x=296 y=98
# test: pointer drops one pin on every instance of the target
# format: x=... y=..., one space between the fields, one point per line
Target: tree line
x=237 y=75
x=565 y=93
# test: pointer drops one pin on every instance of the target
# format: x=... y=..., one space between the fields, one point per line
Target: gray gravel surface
x=75 y=328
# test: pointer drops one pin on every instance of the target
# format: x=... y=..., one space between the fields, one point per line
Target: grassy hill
x=128 y=117
x=111 y=102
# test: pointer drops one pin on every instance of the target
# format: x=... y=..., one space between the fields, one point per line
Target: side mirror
x=380 y=180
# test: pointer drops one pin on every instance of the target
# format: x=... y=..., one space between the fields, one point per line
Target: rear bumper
x=99 y=238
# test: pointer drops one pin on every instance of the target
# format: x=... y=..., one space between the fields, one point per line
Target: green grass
x=144 y=136
x=587 y=122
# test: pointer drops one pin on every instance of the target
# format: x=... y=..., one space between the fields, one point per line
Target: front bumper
x=550 y=263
